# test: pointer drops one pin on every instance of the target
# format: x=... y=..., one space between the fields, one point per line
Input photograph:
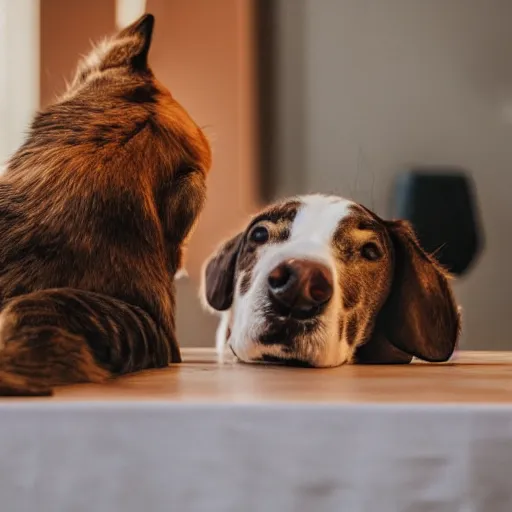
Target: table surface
x=135 y=443
x=484 y=377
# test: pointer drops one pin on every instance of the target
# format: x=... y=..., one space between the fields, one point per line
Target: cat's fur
x=95 y=208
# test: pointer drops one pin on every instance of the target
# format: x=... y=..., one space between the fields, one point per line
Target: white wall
x=391 y=83
x=19 y=76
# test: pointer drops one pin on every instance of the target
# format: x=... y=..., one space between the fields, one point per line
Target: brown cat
x=95 y=208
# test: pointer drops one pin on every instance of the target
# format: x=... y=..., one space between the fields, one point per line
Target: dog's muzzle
x=300 y=288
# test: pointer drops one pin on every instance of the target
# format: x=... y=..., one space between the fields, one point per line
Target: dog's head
x=320 y=281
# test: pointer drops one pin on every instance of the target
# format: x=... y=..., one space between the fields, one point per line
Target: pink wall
x=67 y=29
x=203 y=52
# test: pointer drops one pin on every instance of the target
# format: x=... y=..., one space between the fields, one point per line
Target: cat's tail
x=64 y=336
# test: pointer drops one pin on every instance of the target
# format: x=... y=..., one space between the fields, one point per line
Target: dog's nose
x=300 y=285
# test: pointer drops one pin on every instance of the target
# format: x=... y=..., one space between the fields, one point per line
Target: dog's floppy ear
x=219 y=274
x=420 y=316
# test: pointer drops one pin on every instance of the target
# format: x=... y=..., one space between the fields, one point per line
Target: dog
x=320 y=281
x=96 y=208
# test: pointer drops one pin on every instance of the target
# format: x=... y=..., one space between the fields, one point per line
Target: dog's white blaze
x=311 y=234
x=318 y=218
x=316 y=223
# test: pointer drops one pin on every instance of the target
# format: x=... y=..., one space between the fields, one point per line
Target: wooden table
x=207 y=437
x=470 y=377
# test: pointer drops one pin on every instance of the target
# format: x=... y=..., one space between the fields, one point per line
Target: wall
x=203 y=51
x=19 y=61
x=389 y=84
x=67 y=32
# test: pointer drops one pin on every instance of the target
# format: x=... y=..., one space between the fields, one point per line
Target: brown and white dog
x=321 y=281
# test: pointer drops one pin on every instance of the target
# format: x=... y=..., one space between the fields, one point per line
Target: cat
x=96 y=208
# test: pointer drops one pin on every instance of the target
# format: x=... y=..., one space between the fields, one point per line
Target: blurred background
x=301 y=96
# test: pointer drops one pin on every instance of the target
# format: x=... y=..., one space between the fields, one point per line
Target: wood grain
x=484 y=377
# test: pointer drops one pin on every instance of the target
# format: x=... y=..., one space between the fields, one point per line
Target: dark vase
x=441 y=205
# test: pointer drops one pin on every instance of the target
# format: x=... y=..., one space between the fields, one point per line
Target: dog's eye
x=370 y=252
x=259 y=235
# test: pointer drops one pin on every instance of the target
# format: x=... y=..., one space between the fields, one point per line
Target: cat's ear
x=135 y=41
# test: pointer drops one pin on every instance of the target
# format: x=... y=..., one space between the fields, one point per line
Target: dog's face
x=320 y=281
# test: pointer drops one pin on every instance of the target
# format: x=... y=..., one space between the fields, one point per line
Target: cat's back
x=89 y=167
x=77 y=202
